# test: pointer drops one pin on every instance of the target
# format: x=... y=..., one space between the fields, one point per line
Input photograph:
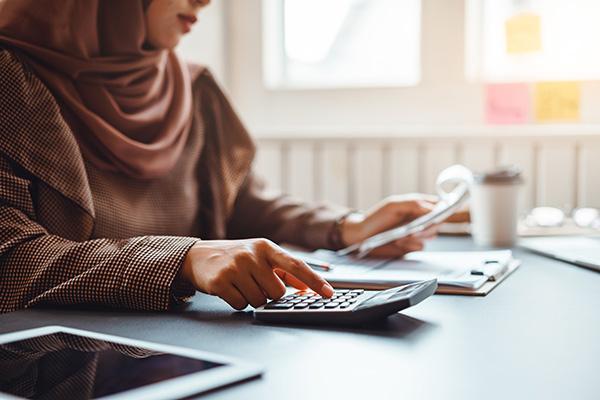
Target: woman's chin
x=165 y=41
x=166 y=45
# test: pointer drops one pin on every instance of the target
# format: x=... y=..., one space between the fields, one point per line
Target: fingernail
x=327 y=290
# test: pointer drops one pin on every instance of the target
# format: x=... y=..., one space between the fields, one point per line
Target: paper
x=452 y=268
x=523 y=34
x=458 y=177
x=508 y=103
x=557 y=101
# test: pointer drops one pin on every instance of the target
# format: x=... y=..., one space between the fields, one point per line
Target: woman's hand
x=243 y=272
x=390 y=213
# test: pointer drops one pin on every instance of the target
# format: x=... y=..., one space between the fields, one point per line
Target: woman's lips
x=187 y=21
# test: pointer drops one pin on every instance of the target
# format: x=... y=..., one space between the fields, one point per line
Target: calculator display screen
x=63 y=365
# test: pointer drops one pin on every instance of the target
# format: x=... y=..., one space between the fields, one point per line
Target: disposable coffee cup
x=494 y=207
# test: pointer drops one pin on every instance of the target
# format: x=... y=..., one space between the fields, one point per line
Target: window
x=528 y=40
x=341 y=43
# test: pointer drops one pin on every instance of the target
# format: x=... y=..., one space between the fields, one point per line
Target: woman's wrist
x=351 y=228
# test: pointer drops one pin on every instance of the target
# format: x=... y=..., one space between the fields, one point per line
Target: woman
x=125 y=175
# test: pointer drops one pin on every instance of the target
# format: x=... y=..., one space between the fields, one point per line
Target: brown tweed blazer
x=48 y=254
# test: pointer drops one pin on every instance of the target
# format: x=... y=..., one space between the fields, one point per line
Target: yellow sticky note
x=523 y=34
x=557 y=101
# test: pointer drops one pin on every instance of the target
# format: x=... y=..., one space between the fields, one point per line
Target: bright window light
x=566 y=46
x=341 y=43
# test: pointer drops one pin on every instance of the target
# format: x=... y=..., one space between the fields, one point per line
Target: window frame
x=274 y=60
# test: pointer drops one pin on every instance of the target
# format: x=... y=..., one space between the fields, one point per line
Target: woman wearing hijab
x=125 y=174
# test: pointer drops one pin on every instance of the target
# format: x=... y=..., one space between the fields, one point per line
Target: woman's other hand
x=390 y=213
x=250 y=271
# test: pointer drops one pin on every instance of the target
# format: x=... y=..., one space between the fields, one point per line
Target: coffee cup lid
x=503 y=175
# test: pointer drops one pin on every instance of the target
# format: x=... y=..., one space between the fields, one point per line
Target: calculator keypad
x=342 y=299
x=346 y=306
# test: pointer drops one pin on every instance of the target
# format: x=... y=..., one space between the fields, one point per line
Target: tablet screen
x=63 y=365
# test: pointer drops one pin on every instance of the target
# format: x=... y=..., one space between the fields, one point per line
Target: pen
x=317 y=264
x=492 y=269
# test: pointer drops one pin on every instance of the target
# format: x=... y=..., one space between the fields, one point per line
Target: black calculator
x=346 y=306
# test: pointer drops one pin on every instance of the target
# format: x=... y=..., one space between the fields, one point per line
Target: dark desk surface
x=536 y=336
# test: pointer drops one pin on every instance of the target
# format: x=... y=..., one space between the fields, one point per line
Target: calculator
x=346 y=306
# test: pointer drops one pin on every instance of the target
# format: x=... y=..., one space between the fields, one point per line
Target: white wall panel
x=589 y=176
x=558 y=171
x=403 y=175
x=557 y=181
x=268 y=163
x=368 y=175
x=521 y=154
x=301 y=172
x=334 y=176
x=478 y=157
x=435 y=158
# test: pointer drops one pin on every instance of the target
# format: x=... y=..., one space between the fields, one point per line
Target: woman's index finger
x=278 y=258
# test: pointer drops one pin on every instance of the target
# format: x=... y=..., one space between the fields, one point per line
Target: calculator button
x=351 y=300
x=342 y=291
x=345 y=305
x=332 y=305
x=278 y=306
x=316 y=305
x=295 y=301
x=289 y=297
x=358 y=291
x=300 y=306
x=302 y=297
x=310 y=301
x=324 y=300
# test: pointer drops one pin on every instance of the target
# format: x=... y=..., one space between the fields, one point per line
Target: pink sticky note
x=508 y=103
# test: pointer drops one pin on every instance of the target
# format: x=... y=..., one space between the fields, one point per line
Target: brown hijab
x=133 y=104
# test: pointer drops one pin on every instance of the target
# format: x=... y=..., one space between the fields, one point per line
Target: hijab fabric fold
x=129 y=106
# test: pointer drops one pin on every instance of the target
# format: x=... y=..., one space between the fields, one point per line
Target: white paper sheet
x=456 y=176
x=451 y=268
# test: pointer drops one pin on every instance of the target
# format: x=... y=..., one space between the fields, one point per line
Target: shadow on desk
x=207 y=310
x=395 y=326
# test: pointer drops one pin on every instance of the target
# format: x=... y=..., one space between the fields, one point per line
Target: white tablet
x=59 y=362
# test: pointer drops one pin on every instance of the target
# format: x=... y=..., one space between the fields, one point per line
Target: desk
x=536 y=336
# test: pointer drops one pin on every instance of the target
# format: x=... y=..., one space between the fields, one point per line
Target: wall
x=559 y=170
x=206 y=43
x=444 y=98
x=356 y=146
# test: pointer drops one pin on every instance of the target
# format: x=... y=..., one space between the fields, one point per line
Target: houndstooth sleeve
x=260 y=212
x=37 y=267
